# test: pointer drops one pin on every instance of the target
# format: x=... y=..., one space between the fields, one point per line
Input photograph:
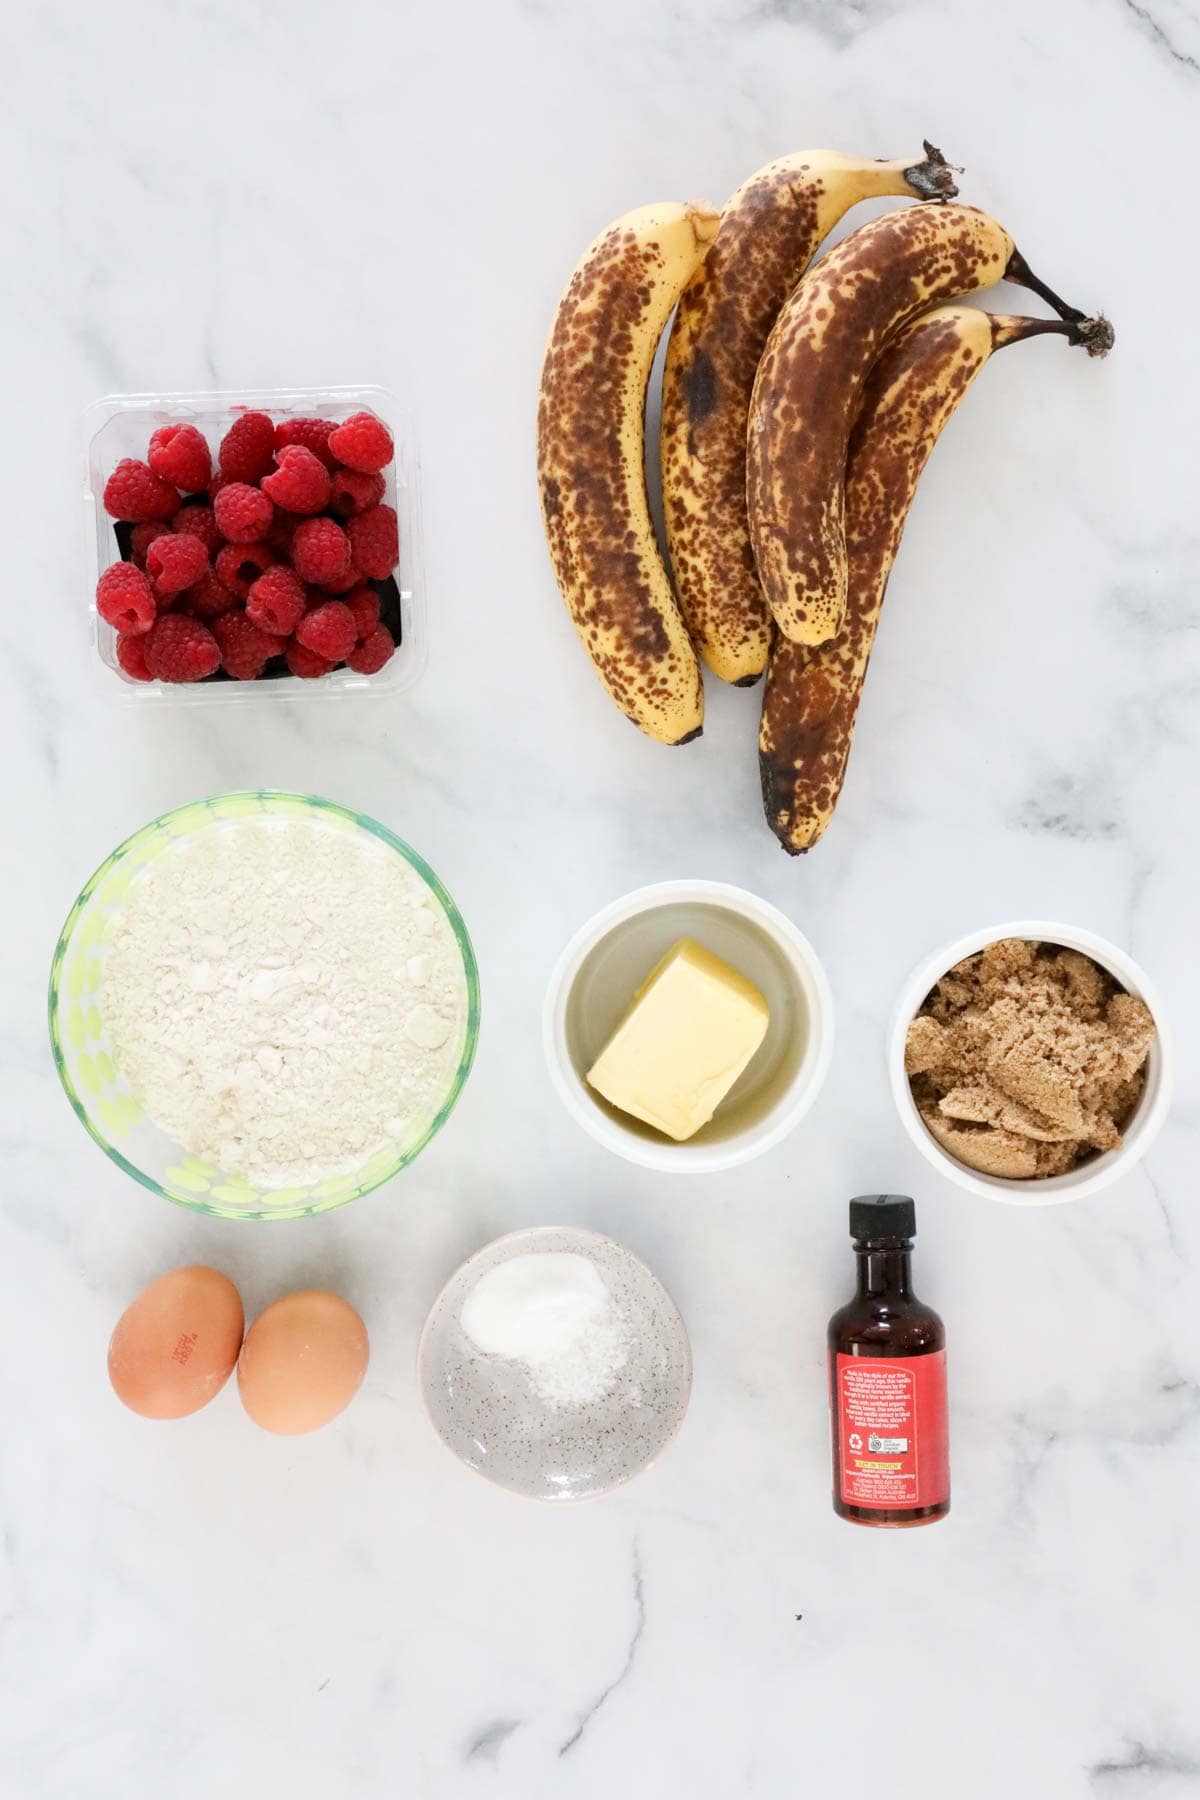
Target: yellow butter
x=692 y=1028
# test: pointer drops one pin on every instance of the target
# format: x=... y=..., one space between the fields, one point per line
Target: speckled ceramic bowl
x=483 y=1408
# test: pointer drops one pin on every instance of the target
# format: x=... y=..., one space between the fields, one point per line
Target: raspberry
x=341 y=584
x=141 y=538
x=300 y=481
x=329 y=630
x=174 y=562
x=180 y=455
x=305 y=663
x=131 y=655
x=369 y=656
x=245 y=650
x=134 y=492
x=320 y=550
x=208 y=598
x=243 y=513
x=312 y=433
x=181 y=649
x=362 y=442
x=124 y=599
x=240 y=564
x=248 y=448
x=276 y=601
x=364 y=604
x=199 y=522
x=375 y=542
x=352 y=491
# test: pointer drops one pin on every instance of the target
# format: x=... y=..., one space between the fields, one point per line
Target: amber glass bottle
x=887 y=1380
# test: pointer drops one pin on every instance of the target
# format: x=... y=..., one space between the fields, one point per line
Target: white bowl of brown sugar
x=1030 y=1063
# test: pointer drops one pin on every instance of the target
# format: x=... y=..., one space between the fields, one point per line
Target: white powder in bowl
x=552 y=1312
x=284 y=998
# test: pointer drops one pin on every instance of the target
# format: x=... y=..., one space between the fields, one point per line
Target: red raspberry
x=276 y=601
x=245 y=650
x=199 y=522
x=240 y=564
x=353 y=491
x=131 y=656
x=320 y=550
x=305 y=663
x=369 y=657
x=142 y=537
x=248 y=448
x=243 y=513
x=375 y=542
x=207 y=599
x=329 y=630
x=180 y=455
x=181 y=649
x=174 y=562
x=364 y=604
x=362 y=442
x=124 y=599
x=300 y=481
x=312 y=433
x=134 y=492
x=342 y=584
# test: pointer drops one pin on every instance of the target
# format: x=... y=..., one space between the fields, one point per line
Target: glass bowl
x=102 y=1098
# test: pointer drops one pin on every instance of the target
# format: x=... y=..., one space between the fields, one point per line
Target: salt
x=551 y=1312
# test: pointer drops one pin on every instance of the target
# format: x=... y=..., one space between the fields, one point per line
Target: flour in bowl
x=284 y=998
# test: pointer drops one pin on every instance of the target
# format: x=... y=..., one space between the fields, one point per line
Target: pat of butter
x=693 y=1026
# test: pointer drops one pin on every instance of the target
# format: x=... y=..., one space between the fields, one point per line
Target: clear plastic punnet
x=121 y=425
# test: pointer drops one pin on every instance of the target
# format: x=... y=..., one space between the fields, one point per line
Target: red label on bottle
x=891 y=1430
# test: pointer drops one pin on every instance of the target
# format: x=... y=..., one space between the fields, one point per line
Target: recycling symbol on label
x=855 y=1441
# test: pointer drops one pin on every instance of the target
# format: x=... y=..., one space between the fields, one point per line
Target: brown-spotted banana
x=812 y=693
x=809 y=385
x=770 y=230
x=591 y=463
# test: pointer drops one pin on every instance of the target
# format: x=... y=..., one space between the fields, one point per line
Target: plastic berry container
x=121 y=424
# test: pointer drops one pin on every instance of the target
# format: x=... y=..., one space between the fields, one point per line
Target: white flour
x=284 y=999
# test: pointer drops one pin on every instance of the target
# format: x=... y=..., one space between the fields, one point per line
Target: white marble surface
x=242 y=193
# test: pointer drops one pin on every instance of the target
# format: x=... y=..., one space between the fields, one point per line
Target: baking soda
x=551 y=1312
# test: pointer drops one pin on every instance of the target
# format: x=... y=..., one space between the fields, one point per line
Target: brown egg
x=175 y=1345
x=302 y=1362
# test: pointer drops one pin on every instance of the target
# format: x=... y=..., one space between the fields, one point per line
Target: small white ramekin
x=1142 y=1129
x=602 y=966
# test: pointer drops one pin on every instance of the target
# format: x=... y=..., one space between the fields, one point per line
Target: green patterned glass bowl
x=82 y=1052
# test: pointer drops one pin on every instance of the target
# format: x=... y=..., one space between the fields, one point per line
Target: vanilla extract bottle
x=887 y=1380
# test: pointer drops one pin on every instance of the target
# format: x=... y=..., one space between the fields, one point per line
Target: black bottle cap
x=875 y=1216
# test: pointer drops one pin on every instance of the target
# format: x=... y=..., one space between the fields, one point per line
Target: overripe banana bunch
x=591 y=448
x=770 y=230
x=798 y=412
x=812 y=693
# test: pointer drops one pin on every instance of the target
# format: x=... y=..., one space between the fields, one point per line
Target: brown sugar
x=1026 y=1059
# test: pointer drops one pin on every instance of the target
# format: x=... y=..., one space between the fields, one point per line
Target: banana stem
x=1095 y=335
x=933 y=179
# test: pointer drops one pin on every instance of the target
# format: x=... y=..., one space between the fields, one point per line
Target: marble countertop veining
x=229 y=193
